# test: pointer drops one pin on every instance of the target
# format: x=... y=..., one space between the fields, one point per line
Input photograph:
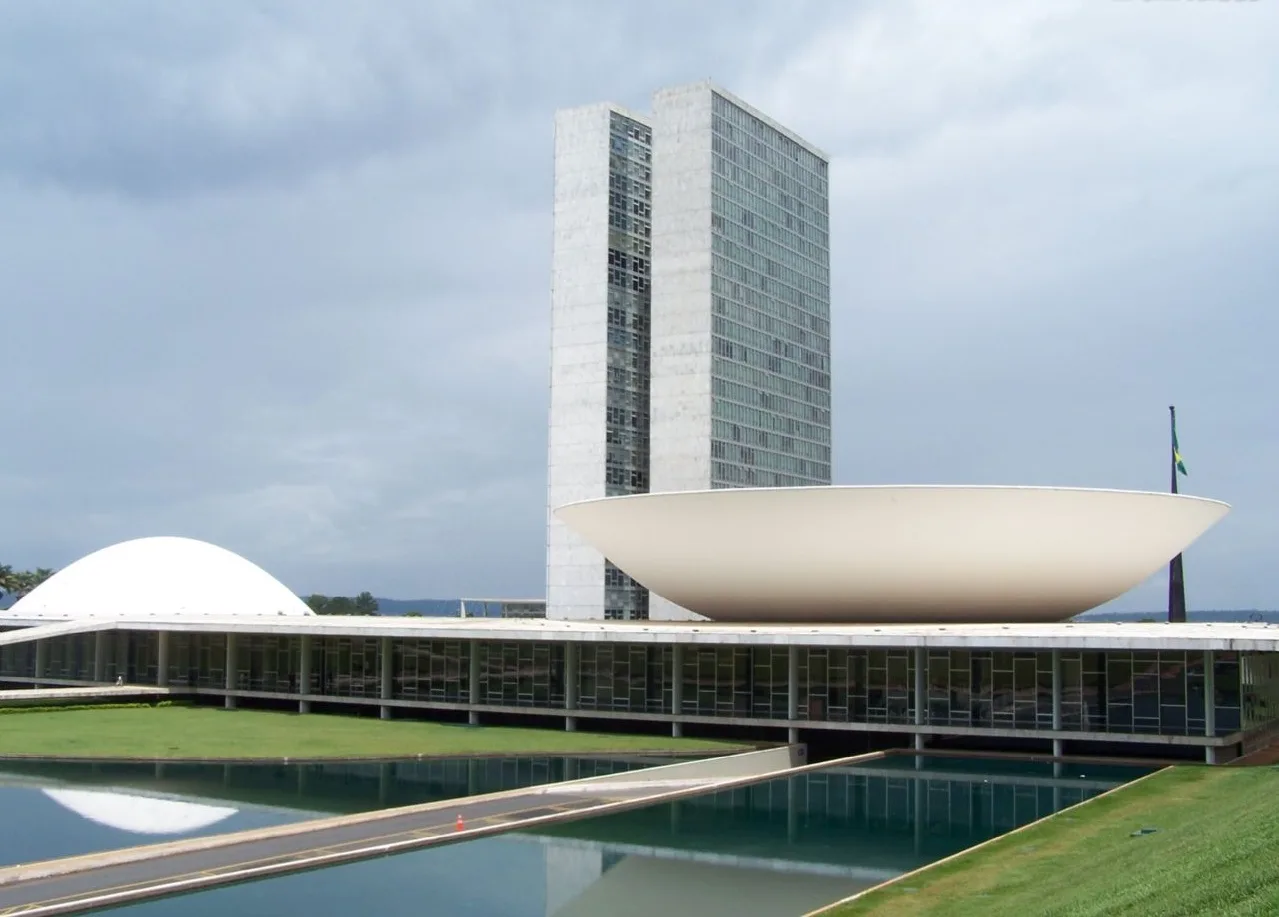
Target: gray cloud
x=276 y=274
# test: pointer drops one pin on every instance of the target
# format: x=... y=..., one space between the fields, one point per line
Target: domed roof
x=161 y=578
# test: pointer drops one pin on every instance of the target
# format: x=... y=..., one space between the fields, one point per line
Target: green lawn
x=1216 y=852
x=208 y=732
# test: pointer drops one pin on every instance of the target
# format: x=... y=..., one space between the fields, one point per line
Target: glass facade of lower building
x=431 y=670
x=1111 y=692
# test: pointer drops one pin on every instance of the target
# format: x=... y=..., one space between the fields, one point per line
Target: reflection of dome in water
x=139 y=814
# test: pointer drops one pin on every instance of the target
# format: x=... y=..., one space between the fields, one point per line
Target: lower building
x=1207 y=691
x=194 y=618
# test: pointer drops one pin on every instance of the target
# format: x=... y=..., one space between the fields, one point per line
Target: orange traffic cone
x=460 y=825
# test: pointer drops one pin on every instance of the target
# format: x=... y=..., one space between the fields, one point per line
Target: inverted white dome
x=892 y=554
x=159 y=577
x=139 y=814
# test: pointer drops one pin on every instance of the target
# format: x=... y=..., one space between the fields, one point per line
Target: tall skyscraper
x=690 y=319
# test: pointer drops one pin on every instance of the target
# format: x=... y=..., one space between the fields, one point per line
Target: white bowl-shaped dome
x=159 y=578
x=892 y=554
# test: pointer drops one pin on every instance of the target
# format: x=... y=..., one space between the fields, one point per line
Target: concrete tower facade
x=690 y=318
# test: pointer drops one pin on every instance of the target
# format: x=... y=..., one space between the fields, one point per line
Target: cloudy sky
x=276 y=274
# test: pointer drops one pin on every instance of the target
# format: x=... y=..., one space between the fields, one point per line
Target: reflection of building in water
x=139 y=814
x=789 y=845
x=838 y=828
x=783 y=846
x=570 y=871
x=334 y=787
x=642 y=886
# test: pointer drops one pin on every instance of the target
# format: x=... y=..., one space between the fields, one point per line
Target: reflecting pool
x=55 y=809
x=777 y=848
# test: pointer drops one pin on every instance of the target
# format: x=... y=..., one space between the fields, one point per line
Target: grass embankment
x=172 y=732
x=1216 y=852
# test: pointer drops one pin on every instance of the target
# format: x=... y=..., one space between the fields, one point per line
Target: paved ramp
x=29 y=696
x=77 y=884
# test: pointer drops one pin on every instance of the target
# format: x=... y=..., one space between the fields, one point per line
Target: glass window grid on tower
x=770 y=288
x=630 y=274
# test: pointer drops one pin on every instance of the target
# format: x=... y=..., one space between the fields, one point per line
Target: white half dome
x=139 y=814
x=162 y=578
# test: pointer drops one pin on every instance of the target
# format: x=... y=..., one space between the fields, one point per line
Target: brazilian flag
x=1176 y=451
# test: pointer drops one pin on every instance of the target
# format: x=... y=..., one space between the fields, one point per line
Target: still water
x=777 y=848
x=55 y=809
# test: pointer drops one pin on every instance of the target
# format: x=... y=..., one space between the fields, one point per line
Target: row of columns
x=571 y=655
x=99 y=658
x=1210 y=707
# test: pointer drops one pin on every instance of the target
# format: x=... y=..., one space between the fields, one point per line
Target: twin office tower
x=690 y=319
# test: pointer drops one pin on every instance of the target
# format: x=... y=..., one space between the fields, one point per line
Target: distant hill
x=1224 y=616
x=433 y=608
x=429 y=608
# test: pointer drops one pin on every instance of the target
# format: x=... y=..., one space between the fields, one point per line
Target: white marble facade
x=681 y=386
x=579 y=355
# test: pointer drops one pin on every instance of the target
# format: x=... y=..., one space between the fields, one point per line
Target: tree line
x=362 y=604
x=17 y=583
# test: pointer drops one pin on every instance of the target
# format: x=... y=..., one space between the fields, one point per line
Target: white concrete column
x=570 y=685
x=921 y=699
x=1210 y=704
x=792 y=693
x=42 y=659
x=229 y=701
x=1056 y=667
x=1210 y=693
x=162 y=659
x=304 y=673
x=921 y=683
x=473 y=690
x=387 y=660
x=100 y=656
x=677 y=689
x=1059 y=748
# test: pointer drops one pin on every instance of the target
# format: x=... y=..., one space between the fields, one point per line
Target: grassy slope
x=204 y=732
x=1216 y=852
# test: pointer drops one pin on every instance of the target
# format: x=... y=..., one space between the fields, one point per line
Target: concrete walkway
x=77 y=884
x=36 y=696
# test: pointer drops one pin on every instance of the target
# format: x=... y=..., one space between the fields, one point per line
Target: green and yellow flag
x=1176 y=451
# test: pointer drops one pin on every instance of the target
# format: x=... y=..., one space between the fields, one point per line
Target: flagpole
x=1176 y=575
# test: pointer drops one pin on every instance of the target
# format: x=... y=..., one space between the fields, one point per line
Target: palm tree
x=38 y=576
x=21 y=582
x=8 y=581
